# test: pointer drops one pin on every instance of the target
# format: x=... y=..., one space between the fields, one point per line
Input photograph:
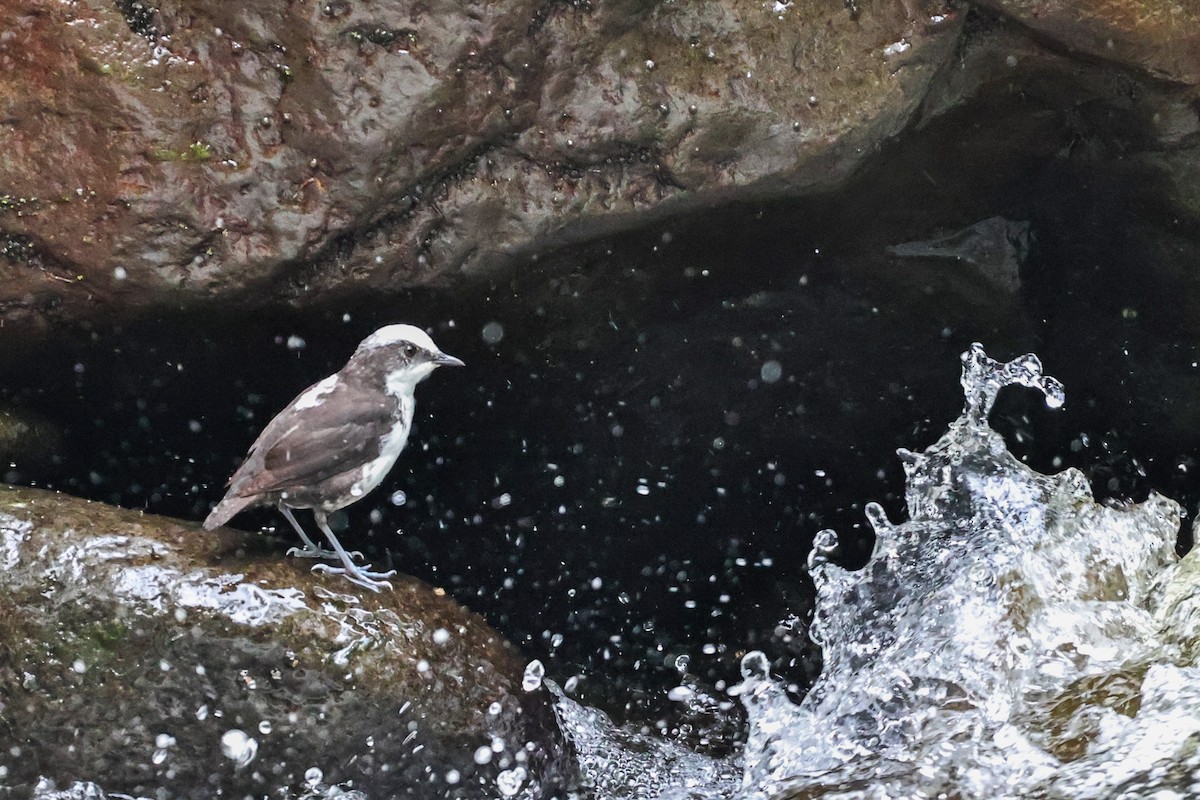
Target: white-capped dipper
x=336 y=441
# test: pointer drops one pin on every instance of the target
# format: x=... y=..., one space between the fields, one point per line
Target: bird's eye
x=409 y=350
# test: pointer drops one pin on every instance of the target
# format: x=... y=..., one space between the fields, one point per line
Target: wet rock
x=994 y=247
x=150 y=657
x=1162 y=39
x=159 y=152
x=27 y=439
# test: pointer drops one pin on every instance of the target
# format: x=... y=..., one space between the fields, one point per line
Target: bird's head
x=404 y=355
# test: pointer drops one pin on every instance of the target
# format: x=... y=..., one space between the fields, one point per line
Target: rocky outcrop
x=156 y=153
x=148 y=657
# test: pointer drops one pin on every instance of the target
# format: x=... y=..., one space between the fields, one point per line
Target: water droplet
x=399 y=498
x=483 y=755
x=509 y=781
x=534 y=673
x=313 y=776
x=492 y=333
x=295 y=342
x=239 y=747
x=441 y=636
x=771 y=371
x=755 y=665
x=679 y=694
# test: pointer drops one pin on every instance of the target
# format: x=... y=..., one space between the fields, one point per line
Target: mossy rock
x=154 y=659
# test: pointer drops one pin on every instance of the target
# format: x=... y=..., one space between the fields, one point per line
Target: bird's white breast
x=393 y=443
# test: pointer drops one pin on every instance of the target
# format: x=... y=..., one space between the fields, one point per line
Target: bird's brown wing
x=301 y=447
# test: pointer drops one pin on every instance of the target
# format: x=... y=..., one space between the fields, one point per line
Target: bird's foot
x=320 y=552
x=375 y=581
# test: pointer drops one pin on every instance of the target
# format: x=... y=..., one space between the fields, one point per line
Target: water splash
x=983 y=378
x=1012 y=639
x=621 y=764
x=1009 y=640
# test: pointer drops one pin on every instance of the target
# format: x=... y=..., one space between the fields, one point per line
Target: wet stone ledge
x=148 y=656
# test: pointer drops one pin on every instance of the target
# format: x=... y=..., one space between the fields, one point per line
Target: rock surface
x=154 y=154
x=1160 y=38
x=150 y=657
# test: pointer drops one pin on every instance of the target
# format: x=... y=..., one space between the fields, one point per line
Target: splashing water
x=1013 y=639
x=1009 y=640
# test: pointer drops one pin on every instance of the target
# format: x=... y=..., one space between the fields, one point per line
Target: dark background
x=636 y=362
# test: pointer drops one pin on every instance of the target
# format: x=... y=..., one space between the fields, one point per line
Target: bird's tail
x=226 y=509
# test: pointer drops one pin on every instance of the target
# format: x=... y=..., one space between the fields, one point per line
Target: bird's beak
x=444 y=360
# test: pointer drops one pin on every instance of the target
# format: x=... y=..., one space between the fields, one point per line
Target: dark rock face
x=148 y=656
x=1162 y=39
x=159 y=153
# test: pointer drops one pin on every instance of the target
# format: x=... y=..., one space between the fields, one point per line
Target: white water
x=1012 y=639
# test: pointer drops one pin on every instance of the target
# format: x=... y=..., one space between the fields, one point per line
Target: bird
x=335 y=442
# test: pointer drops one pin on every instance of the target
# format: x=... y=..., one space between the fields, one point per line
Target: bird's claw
x=375 y=581
x=321 y=552
x=307 y=552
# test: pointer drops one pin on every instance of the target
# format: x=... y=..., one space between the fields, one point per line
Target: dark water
x=618 y=480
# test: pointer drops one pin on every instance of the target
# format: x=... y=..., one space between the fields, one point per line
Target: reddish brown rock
x=264 y=151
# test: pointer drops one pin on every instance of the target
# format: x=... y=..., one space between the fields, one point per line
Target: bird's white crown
x=394 y=334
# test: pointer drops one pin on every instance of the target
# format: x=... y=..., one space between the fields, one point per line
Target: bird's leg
x=353 y=572
x=311 y=549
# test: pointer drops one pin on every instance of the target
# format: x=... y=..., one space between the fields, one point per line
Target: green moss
x=195 y=152
x=198 y=151
x=107 y=634
x=13 y=204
